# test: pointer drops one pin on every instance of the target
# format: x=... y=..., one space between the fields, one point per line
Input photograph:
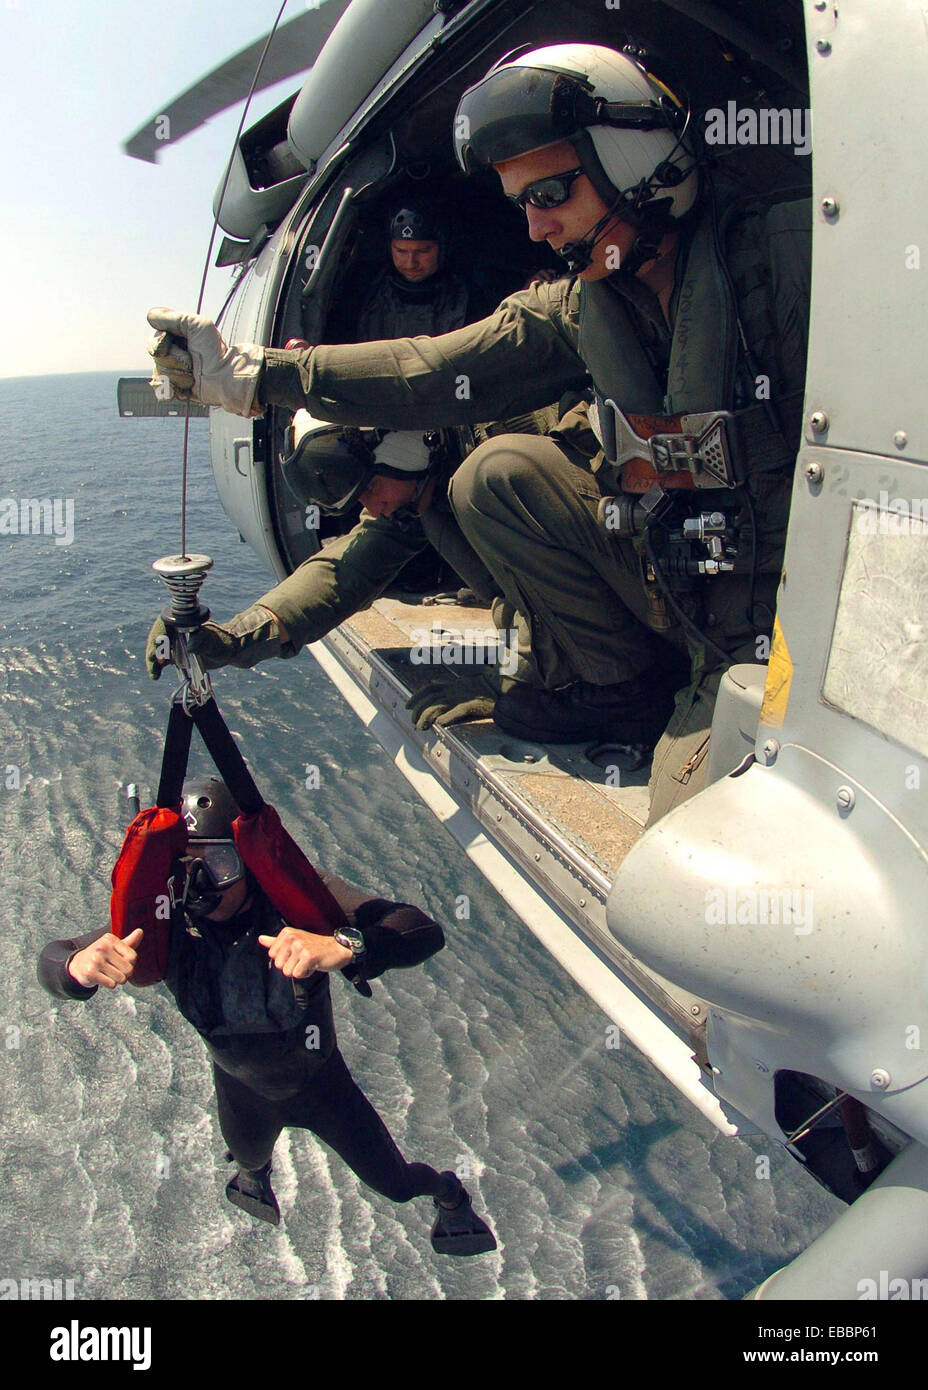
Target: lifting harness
x=149 y=874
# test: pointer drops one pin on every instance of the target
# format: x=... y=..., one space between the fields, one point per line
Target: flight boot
x=633 y=712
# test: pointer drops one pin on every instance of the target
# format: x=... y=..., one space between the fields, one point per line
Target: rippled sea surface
x=600 y=1180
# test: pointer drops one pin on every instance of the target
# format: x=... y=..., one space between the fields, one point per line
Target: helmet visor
x=515 y=109
x=325 y=469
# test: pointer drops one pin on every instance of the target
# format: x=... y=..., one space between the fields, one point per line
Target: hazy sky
x=89 y=238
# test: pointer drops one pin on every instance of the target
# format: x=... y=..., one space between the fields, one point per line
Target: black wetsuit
x=272 y=1040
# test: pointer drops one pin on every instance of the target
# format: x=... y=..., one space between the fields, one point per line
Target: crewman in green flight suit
x=419 y=290
x=685 y=555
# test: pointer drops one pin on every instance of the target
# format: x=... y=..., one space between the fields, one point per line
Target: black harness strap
x=760 y=449
x=225 y=754
x=174 y=758
x=222 y=748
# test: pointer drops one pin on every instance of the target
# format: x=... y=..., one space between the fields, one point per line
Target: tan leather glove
x=199 y=365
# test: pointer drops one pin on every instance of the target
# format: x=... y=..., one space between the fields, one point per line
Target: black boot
x=633 y=712
x=251 y=1190
x=457 y=1229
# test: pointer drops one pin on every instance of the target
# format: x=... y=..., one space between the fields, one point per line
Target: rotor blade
x=296 y=47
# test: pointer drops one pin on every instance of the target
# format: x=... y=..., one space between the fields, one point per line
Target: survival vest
x=147 y=879
x=704 y=350
x=286 y=875
x=148 y=876
x=392 y=313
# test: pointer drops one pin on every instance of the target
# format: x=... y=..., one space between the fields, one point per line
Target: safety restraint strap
x=223 y=750
x=225 y=754
x=174 y=758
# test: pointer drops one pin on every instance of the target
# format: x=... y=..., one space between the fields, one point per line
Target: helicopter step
x=545 y=836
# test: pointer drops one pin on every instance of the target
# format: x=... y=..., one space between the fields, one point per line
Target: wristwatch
x=351 y=938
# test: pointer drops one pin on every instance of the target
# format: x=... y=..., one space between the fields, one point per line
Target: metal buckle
x=196 y=688
x=703 y=449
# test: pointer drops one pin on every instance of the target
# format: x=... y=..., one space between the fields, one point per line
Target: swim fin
x=251 y=1190
x=458 y=1230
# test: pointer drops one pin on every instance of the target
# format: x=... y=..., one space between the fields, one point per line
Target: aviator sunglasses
x=546 y=193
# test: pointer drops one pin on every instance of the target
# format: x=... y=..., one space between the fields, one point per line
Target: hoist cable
x=206 y=265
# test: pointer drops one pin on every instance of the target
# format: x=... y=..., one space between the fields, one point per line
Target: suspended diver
x=255 y=986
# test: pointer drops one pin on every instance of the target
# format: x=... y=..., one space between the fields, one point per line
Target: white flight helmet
x=629 y=130
x=332 y=465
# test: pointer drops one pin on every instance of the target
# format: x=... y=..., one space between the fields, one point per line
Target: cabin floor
x=560 y=782
x=567 y=821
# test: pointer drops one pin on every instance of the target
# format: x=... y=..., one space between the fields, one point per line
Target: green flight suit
x=350 y=571
x=528 y=505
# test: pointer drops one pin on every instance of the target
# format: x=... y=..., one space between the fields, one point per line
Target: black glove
x=453 y=699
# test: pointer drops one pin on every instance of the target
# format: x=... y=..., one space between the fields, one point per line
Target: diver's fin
x=252 y=1191
x=459 y=1230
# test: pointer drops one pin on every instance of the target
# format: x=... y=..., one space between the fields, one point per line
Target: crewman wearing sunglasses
x=257 y=992
x=647 y=529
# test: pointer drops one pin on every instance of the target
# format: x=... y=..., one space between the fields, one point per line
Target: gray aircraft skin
x=765 y=942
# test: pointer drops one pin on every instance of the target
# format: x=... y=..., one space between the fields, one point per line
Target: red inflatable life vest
x=286 y=875
x=157 y=839
x=142 y=882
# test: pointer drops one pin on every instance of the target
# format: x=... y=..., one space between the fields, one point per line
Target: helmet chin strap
x=645 y=247
x=651 y=223
x=416 y=498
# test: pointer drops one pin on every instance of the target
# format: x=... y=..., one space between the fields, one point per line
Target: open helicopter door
x=238 y=447
x=790 y=893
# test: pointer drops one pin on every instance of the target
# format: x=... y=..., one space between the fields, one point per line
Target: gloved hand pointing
x=199 y=365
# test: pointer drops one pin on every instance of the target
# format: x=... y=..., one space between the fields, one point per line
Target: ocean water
x=599 y=1180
